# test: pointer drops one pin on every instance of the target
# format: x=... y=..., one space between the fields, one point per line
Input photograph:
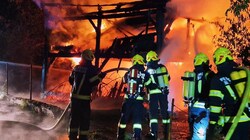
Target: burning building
x=177 y=30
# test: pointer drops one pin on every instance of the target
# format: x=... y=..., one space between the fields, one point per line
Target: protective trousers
x=154 y=101
x=79 y=119
x=199 y=123
x=134 y=109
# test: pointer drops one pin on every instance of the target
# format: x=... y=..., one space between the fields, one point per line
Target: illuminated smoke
x=80 y=33
x=182 y=43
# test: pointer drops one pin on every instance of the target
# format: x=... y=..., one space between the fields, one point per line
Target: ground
x=29 y=120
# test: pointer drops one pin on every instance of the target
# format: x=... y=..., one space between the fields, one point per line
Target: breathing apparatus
x=189 y=78
x=135 y=83
x=244 y=73
x=188 y=87
x=135 y=78
x=159 y=75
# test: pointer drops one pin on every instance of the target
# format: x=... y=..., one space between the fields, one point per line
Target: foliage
x=235 y=34
x=21 y=31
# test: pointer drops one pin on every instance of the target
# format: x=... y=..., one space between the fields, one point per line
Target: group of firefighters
x=216 y=101
x=154 y=80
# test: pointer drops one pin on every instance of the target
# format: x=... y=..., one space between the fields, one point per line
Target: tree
x=21 y=31
x=235 y=34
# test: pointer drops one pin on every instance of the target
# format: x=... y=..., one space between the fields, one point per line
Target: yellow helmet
x=138 y=59
x=222 y=55
x=200 y=59
x=152 y=56
x=87 y=55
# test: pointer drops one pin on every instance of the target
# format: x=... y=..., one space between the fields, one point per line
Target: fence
x=25 y=80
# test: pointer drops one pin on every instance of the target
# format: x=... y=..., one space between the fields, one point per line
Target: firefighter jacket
x=203 y=79
x=224 y=100
x=135 y=80
x=83 y=79
x=159 y=78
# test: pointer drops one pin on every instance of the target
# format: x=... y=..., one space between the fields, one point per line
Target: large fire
x=190 y=33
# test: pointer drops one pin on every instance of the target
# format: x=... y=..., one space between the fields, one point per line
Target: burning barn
x=115 y=31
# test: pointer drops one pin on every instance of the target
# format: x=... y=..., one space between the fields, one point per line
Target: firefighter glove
x=214 y=132
x=218 y=129
x=165 y=90
x=142 y=94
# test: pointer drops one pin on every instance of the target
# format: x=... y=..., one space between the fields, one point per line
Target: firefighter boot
x=152 y=136
x=73 y=136
x=167 y=131
x=136 y=137
x=121 y=134
x=83 y=137
x=137 y=134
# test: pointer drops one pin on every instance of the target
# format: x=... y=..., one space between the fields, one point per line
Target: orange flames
x=75 y=60
x=183 y=41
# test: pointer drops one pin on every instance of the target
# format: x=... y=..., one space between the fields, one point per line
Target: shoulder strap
x=242 y=105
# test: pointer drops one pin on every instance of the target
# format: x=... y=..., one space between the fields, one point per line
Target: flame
x=68 y=43
x=75 y=60
x=179 y=50
x=103 y=26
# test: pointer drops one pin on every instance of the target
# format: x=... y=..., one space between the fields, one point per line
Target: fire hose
x=58 y=121
x=68 y=106
x=241 y=108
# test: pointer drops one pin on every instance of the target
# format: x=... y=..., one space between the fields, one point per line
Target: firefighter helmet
x=138 y=59
x=87 y=55
x=152 y=56
x=222 y=55
x=201 y=59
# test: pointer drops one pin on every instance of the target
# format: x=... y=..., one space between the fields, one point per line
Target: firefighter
x=158 y=92
x=133 y=99
x=199 y=117
x=84 y=78
x=225 y=98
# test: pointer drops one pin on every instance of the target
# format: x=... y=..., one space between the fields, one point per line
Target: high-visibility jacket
x=159 y=77
x=224 y=100
x=203 y=79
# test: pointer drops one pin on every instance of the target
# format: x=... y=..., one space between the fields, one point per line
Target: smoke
x=79 y=33
x=207 y=9
x=24 y=124
x=189 y=37
x=191 y=32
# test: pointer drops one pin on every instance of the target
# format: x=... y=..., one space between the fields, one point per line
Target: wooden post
x=160 y=17
x=45 y=56
x=98 y=36
x=31 y=80
x=171 y=117
x=7 y=79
